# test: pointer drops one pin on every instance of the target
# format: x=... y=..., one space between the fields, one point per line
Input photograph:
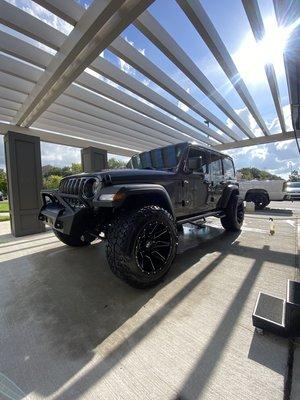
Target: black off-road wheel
x=141 y=245
x=71 y=240
x=234 y=217
x=261 y=201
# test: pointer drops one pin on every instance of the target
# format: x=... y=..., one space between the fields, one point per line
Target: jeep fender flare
x=156 y=194
x=227 y=192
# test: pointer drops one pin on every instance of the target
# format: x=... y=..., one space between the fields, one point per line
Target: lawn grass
x=4 y=218
x=4 y=207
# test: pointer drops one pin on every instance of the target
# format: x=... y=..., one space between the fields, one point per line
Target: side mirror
x=194 y=164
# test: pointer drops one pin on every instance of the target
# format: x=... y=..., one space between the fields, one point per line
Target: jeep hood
x=117 y=176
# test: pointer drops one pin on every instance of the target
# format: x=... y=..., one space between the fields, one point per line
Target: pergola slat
x=67 y=10
x=202 y=23
x=39 y=57
x=257 y=25
x=133 y=57
x=113 y=73
x=30 y=26
x=23 y=50
x=53 y=121
x=91 y=105
x=150 y=27
x=68 y=116
x=105 y=89
x=19 y=69
x=92 y=34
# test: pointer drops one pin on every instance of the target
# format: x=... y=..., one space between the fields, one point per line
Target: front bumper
x=57 y=212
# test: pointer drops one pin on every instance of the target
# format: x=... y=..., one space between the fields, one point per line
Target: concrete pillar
x=24 y=172
x=93 y=159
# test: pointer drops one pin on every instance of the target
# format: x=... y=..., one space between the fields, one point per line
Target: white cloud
x=126 y=67
x=58 y=155
x=42 y=14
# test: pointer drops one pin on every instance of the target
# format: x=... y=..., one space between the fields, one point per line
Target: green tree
x=52 y=181
x=3 y=181
x=294 y=176
x=255 y=173
x=114 y=163
x=76 y=168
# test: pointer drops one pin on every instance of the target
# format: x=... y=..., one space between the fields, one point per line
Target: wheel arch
x=252 y=192
x=155 y=196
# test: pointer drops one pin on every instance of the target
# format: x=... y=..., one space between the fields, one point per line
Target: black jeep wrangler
x=140 y=210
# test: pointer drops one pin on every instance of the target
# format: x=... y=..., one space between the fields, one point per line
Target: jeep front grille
x=73 y=186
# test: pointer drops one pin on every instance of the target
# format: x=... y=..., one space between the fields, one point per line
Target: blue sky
x=231 y=22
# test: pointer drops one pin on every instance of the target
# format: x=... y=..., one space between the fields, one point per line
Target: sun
x=252 y=56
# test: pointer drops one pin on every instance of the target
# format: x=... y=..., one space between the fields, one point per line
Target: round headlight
x=90 y=187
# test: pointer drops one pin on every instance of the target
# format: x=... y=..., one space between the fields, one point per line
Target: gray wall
x=24 y=171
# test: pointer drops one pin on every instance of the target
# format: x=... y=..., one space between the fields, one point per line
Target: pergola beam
x=277 y=137
x=67 y=140
x=151 y=28
x=96 y=29
x=202 y=23
x=257 y=25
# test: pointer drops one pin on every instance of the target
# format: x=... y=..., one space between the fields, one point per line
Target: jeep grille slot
x=73 y=186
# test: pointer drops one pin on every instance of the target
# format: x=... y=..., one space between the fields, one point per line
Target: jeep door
x=196 y=183
x=217 y=179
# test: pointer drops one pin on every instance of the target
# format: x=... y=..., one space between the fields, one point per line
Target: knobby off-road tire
x=141 y=245
x=234 y=218
x=73 y=241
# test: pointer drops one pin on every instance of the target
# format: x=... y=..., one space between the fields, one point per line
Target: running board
x=219 y=214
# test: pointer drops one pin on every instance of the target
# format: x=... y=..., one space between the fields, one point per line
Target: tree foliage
x=3 y=181
x=51 y=182
x=294 y=176
x=255 y=173
x=114 y=163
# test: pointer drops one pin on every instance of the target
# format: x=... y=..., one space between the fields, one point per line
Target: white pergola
x=52 y=95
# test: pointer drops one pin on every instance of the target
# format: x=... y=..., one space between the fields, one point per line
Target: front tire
x=234 y=217
x=71 y=240
x=141 y=246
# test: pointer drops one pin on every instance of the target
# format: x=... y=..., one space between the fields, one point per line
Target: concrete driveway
x=71 y=330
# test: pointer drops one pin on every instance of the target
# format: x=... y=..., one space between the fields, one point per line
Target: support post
x=93 y=159
x=24 y=172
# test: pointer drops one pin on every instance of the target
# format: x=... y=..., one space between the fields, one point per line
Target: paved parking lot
x=71 y=330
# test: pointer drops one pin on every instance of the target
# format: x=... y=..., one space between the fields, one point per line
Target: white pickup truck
x=262 y=192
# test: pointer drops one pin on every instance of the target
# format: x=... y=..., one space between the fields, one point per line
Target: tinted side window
x=202 y=160
x=215 y=165
x=228 y=168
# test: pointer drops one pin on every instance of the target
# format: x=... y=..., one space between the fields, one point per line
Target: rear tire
x=73 y=241
x=141 y=246
x=261 y=201
x=234 y=218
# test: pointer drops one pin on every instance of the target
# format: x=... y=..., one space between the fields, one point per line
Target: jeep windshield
x=164 y=158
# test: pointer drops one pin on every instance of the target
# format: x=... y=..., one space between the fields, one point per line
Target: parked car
x=262 y=192
x=142 y=208
x=292 y=190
